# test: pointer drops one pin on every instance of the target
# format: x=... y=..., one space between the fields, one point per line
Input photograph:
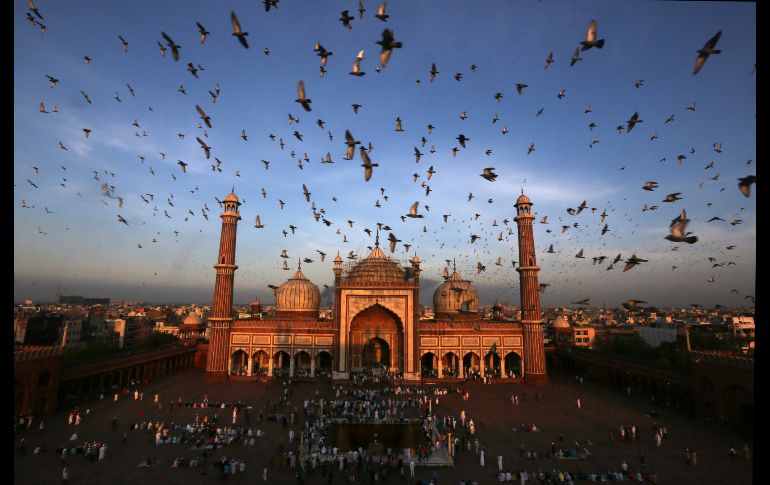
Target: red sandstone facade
x=35 y=378
x=376 y=322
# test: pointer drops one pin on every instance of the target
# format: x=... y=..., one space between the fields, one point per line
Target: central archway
x=376 y=352
x=376 y=338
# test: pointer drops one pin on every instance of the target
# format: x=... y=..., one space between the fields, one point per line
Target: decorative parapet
x=24 y=353
x=282 y=324
x=369 y=284
x=472 y=325
x=722 y=359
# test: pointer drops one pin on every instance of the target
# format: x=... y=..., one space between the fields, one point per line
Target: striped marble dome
x=377 y=268
x=297 y=294
x=455 y=294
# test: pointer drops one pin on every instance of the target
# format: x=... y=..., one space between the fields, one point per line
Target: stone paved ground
x=489 y=406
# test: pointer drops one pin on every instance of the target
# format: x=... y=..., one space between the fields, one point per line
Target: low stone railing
x=717 y=358
x=25 y=353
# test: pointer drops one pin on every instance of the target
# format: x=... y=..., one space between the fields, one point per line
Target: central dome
x=454 y=295
x=297 y=294
x=377 y=268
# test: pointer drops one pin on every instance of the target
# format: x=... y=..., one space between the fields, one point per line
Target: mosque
x=375 y=322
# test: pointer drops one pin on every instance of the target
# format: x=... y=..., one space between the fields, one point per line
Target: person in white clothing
x=482 y=458
x=499 y=462
x=411 y=468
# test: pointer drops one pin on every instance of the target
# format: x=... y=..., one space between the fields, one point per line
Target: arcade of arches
x=452 y=367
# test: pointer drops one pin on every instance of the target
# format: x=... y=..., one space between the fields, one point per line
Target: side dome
x=560 y=322
x=455 y=295
x=298 y=294
x=377 y=268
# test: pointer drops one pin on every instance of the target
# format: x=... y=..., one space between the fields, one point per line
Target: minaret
x=222 y=314
x=337 y=312
x=531 y=315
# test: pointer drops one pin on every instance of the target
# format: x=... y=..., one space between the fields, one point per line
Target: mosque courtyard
x=555 y=414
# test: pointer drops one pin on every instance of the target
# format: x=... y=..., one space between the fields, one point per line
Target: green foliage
x=672 y=355
x=157 y=340
x=708 y=340
x=91 y=353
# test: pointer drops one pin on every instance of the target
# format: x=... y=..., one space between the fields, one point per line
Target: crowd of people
x=310 y=451
x=355 y=403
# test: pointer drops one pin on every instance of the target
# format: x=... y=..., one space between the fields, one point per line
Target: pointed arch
x=513 y=365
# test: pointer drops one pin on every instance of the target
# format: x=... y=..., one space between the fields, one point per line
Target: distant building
x=654 y=336
x=79 y=300
x=103 y=331
x=41 y=329
x=72 y=332
x=131 y=330
x=121 y=331
x=19 y=328
x=743 y=331
x=144 y=328
x=161 y=327
x=566 y=335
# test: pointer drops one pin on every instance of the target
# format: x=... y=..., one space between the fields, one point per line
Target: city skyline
x=82 y=245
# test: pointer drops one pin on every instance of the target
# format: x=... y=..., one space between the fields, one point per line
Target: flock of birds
x=487 y=231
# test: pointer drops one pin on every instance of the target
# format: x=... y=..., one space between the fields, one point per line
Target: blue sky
x=90 y=252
